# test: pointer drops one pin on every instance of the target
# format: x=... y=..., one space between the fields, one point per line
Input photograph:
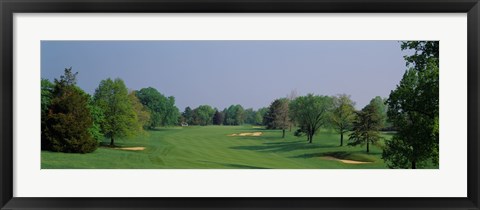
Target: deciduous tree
x=343 y=114
x=311 y=112
x=277 y=116
x=203 y=115
x=413 y=108
x=112 y=97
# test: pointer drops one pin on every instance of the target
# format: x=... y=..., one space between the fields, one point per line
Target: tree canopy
x=413 y=109
x=234 y=115
x=278 y=116
x=163 y=111
x=68 y=120
x=120 y=117
x=366 y=126
x=203 y=115
x=311 y=112
x=343 y=114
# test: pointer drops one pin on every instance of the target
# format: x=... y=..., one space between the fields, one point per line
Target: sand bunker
x=345 y=161
x=131 y=148
x=246 y=134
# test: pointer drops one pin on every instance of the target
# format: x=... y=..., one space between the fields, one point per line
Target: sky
x=222 y=73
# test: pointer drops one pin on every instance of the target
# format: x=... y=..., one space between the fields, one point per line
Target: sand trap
x=131 y=148
x=345 y=161
x=246 y=134
x=257 y=127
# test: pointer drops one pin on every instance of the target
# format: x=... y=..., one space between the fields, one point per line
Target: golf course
x=300 y=115
x=221 y=147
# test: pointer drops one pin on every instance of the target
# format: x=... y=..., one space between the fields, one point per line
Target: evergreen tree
x=67 y=123
x=366 y=127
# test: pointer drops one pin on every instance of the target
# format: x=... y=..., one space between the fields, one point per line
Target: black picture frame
x=9 y=7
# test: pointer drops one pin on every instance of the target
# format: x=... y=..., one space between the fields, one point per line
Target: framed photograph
x=239 y=104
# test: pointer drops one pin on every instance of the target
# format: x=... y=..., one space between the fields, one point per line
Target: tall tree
x=250 y=116
x=218 y=118
x=366 y=127
x=343 y=114
x=310 y=113
x=68 y=119
x=112 y=97
x=413 y=109
x=141 y=112
x=188 y=115
x=277 y=116
x=380 y=104
x=171 y=112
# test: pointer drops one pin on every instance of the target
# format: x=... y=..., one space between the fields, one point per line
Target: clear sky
x=221 y=73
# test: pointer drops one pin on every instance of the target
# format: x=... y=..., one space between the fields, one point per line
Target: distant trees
x=162 y=109
x=218 y=118
x=250 y=115
x=310 y=113
x=366 y=126
x=188 y=115
x=343 y=114
x=277 y=116
x=260 y=115
x=413 y=109
x=67 y=118
x=234 y=115
x=120 y=117
x=203 y=115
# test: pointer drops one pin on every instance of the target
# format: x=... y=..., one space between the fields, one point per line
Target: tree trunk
x=283 y=135
x=341 y=139
x=310 y=138
x=368 y=148
x=414 y=165
x=112 y=142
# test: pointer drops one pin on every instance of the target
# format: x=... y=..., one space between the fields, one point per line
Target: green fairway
x=211 y=147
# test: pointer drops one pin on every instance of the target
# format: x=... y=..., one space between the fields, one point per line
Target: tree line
x=74 y=121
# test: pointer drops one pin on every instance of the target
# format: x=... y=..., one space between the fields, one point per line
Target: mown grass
x=210 y=147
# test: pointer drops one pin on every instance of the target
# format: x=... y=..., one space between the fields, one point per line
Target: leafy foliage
x=188 y=115
x=234 y=115
x=311 y=112
x=366 y=127
x=98 y=118
x=413 y=108
x=343 y=114
x=67 y=123
x=141 y=112
x=277 y=116
x=162 y=109
x=203 y=115
x=112 y=97
x=218 y=118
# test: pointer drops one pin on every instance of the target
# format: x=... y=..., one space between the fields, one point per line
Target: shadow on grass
x=339 y=155
x=240 y=166
x=280 y=147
